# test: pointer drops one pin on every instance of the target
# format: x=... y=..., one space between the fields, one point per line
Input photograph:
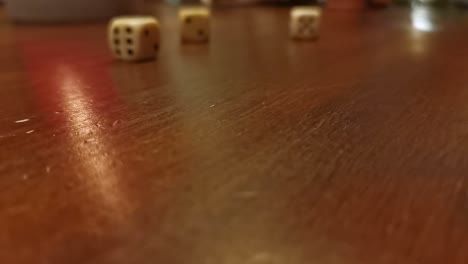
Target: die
x=194 y=24
x=304 y=23
x=134 y=38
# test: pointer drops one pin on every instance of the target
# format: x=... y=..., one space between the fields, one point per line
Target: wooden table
x=251 y=150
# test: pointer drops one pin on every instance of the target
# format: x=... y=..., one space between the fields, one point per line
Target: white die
x=304 y=22
x=134 y=38
x=194 y=24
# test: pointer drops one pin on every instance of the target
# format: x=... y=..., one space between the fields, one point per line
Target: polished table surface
x=253 y=149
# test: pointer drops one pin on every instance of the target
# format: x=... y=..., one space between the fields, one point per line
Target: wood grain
x=253 y=149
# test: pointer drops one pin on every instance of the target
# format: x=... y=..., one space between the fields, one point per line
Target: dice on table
x=304 y=22
x=194 y=24
x=134 y=38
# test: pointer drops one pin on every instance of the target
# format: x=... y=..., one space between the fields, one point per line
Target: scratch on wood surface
x=22 y=121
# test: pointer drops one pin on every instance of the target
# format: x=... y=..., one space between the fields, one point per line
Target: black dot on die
x=116 y=41
x=156 y=47
x=188 y=20
x=146 y=32
x=118 y=52
x=129 y=30
x=116 y=31
x=129 y=41
x=130 y=52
